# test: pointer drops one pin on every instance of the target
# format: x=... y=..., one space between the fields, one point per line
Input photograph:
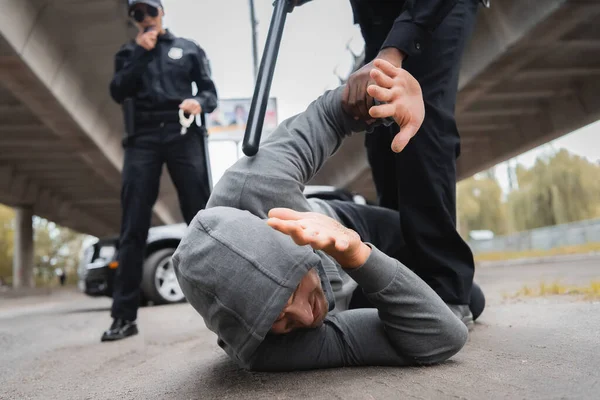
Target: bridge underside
x=60 y=133
x=530 y=74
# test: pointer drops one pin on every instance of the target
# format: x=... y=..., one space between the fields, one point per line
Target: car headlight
x=107 y=253
x=86 y=258
x=358 y=199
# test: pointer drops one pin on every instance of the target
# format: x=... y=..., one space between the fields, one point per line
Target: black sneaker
x=477 y=301
x=120 y=329
x=463 y=313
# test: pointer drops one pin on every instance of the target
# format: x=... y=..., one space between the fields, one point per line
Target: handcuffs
x=185 y=122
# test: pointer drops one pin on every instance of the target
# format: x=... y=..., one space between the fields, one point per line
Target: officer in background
x=427 y=38
x=153 y=80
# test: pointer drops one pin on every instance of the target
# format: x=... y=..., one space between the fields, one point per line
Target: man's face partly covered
x=306 y=308
x=146 y=16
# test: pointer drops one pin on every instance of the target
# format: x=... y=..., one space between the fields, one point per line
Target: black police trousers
x=380 y=226
x=145 y=155
x=420 y=181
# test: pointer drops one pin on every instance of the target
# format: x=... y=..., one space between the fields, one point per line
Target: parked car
x=99 y=263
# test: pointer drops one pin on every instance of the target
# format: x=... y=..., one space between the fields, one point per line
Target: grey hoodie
x=238 y=273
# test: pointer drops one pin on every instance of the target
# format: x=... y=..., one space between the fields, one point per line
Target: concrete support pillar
x=23 y=251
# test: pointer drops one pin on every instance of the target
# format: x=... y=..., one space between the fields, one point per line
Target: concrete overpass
x=529 y=75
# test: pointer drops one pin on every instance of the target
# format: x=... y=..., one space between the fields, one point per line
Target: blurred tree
x=54 y=247
x=480 y=205
x=559 y=188
x=7 y=217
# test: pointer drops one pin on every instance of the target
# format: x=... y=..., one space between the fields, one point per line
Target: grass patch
x=557 y=251
x=589 y=292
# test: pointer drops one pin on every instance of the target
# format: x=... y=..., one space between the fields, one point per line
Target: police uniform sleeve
x=207 y=92
x=412 y=30
x=130 y=62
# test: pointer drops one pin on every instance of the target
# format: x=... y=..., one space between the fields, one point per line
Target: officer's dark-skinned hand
x=355 y=100
x=147 y=40
x=191 y=106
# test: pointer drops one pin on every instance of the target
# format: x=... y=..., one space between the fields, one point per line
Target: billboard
x=231 y=116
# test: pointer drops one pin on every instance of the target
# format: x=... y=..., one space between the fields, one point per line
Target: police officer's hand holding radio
x=147 y=38
x=153 y=83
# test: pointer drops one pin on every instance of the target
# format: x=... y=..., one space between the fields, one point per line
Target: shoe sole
x=105 y=339
x=468 y=321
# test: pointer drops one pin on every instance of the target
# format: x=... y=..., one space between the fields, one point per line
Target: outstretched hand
x=403 y=99
x=321 y=233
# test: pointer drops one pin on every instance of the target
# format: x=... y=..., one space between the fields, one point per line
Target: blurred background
x=530 y=163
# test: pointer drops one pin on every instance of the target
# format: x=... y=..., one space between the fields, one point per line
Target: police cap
x=153 y=3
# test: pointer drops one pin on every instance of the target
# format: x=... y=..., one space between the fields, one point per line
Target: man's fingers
x=290 y=228
x=301 y=234
x=386 y=67
x=341 y=244
x=286 y=214
x=321 y=241
x=380 y=93
x=381 y=79
x=382 y=111
x=279 y=225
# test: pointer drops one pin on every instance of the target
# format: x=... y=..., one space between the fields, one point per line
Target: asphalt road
x=544 y=348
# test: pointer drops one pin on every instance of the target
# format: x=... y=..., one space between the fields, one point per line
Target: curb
x=10 y=293
x=538 y=260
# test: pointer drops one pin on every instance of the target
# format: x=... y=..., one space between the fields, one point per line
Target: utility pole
x=254 y=24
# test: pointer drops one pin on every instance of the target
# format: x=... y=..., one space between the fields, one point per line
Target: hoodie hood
x=238 y=273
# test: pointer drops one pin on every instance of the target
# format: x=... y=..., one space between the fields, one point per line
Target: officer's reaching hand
x=403 y=99
x=191 y=106
x=355 y=100
x=147 y=40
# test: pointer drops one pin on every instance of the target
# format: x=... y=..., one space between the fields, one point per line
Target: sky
x=313 y=49
x=313 y=46
x=584 y=142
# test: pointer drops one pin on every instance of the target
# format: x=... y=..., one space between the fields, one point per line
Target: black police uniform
x=421 y=180
x=159 y=80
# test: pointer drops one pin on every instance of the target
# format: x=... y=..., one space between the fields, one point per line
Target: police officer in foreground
x=417 y=175
x=153 y=81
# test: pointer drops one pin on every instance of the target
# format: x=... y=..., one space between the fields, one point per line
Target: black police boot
x=477 y=303
x=120 y=329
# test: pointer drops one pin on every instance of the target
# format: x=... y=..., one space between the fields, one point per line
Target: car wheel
x=159 y=283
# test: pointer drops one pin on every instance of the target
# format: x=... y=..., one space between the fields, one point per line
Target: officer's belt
x=156 y=117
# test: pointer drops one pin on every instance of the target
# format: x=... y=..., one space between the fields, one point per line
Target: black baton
x=260 y=99
x=204 y=133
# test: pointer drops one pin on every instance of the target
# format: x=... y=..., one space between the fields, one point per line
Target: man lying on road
x=272 y=273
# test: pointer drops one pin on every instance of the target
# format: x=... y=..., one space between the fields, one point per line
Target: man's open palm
x=321 y=233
